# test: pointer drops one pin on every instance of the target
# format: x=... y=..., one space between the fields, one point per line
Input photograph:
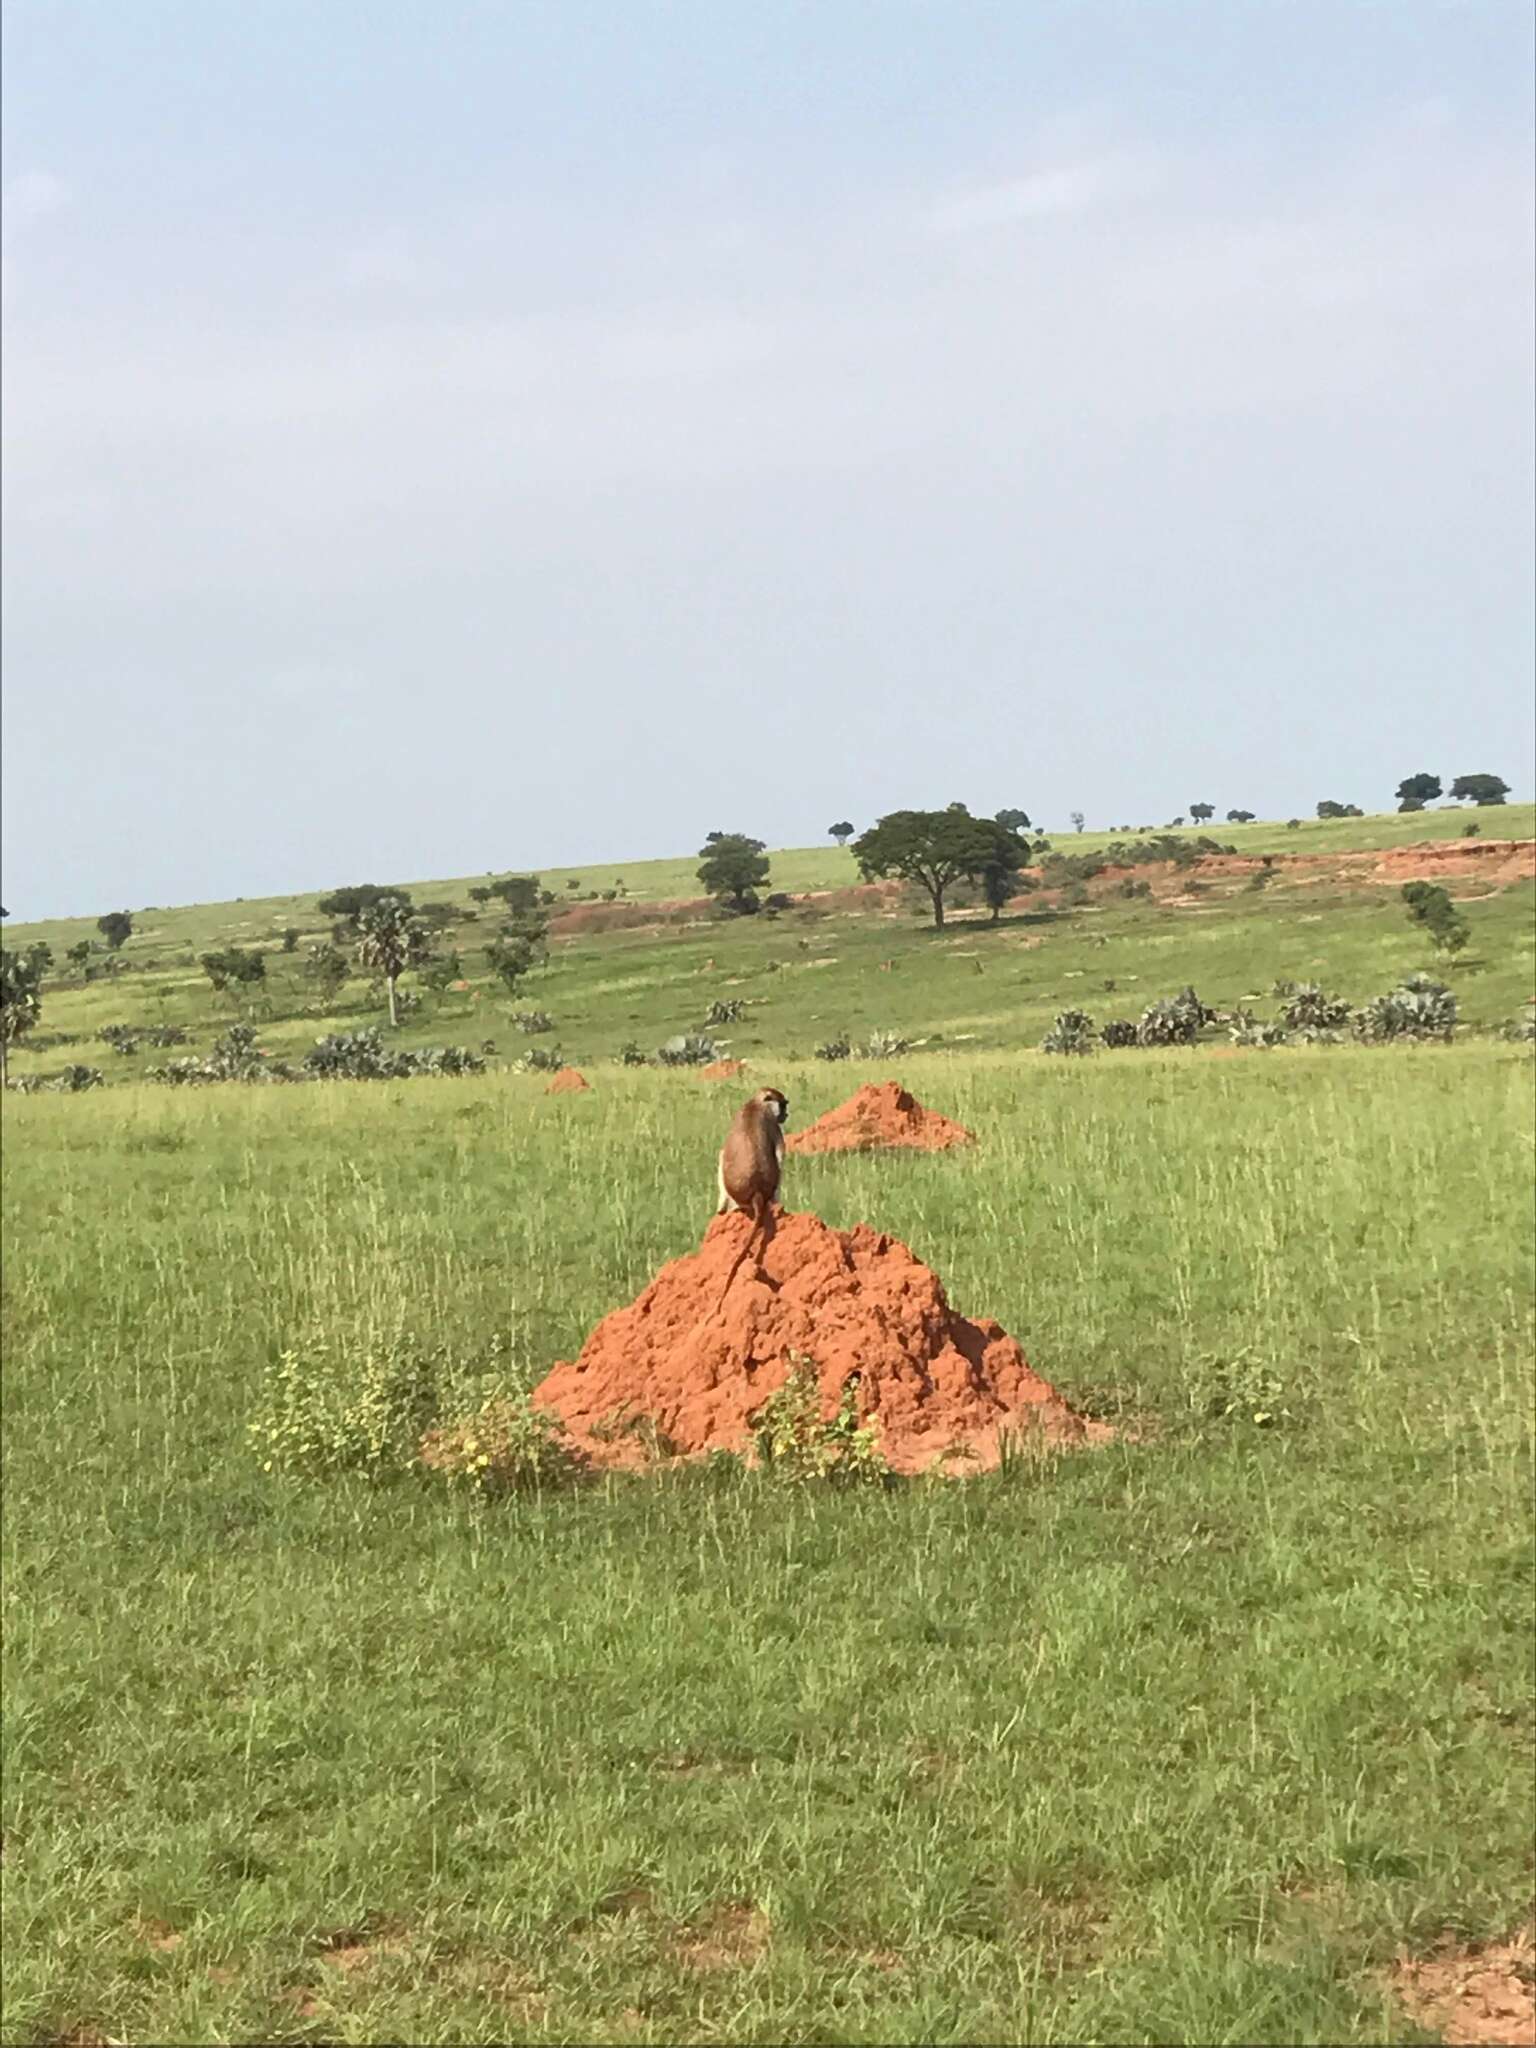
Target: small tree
x=510 y=957
x=1240 y=817
x=291 y=939
x=348 y=905
x=733 y=867
x=390 y=941
x=234 y=965
x=1480 y=789
x=520 y=893
x=116 y=928
x=1415 y=791
x=480 y=893
x=1329 y=809
x=1200 y=812
x=79 y=955
x=1430 y=907
x=935 y=849
x=841 y=832
x=327 y=967
x=1078 y=820
x=1014 y=821
x=21 y=997
x=1001 y=880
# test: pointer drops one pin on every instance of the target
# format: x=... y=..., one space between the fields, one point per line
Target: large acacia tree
x=935 y=849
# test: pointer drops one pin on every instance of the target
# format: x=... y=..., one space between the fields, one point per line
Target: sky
x=446 y=436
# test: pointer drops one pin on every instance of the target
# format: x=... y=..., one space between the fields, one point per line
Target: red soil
x=853 y=1301
x=722 y=1070
x=878 y=1116
x=569 y=1081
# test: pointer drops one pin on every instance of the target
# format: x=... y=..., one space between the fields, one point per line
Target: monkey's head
x=776 y=1104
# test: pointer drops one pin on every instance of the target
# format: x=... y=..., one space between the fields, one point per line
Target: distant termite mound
x=882 y=1114
x=722 y=1070
x=697 y=1370
x=569 y=1081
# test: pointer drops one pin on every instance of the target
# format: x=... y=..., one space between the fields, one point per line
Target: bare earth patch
x=731 y=1938
x=1485 y=1997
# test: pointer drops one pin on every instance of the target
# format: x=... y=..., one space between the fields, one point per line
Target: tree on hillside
x=1078 y=820
x=936 y=849
x=480 y=893
x=327 y=967
x=520 y=893
x=1014 y=820
x=78 y=955
x=21 y=997
x=733 y=868
x=1329 y=809
x=349 y=904
x=234 y=964
x=1415 y=791
x=1002 y=878
x=116 y=928
x=1481 y=789
x=1240 y=817
x=842 y=832
x=391 y=940
x=1431 y=908
x=1200 y=812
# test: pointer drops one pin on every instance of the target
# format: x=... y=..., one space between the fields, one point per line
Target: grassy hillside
x=1176 y=1740
x=794 y=869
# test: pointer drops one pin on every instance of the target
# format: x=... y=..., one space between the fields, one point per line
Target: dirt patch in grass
x=881 y=1115
x=569 y=1081
x=715 y=1334
x=1483 y=1996
x=730 y=1938
x=722 y=1070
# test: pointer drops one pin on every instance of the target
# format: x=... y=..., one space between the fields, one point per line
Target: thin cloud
x=1066 y=189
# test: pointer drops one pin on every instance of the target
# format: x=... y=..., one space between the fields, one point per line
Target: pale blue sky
x=453 y=436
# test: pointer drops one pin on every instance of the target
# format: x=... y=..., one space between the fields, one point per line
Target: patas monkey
x=750 y=1161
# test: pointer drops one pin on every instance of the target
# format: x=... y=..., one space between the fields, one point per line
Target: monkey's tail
x=760 y=1220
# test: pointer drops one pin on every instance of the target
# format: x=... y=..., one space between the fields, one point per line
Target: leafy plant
x=1243 y=1028
x=235 y=966
x=688 y=1049
x=1072 y=1032
x=884 y=1045
x=630 y=1055
x=792 y=1439
x=1175 y=1021
x=1307 y=1007
x=725 y=1010
x=1118 y=1032
x=1418 y=1008
x=1240 y=1389
x=532 y=1021
x=838 y=1048
x=541 y=1059
x=506 y=1446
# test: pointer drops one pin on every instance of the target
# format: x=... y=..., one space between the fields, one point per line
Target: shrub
x=121 y=1037
x=1130 y=887
x=726 y=1010
x=291 y=938
x=839 y=1048
x=688 y=1049
x=1119 y=1031
x=1471 y=831
x=326 y=1411
x=234 y=964
x=1072 y=1032
x=166 y=1034
x=1430 y=907
x=1521 y=1030
x=884 y=1045
x=1243 y=1028
x=506 y=1446
x=363 y=1056
x=1309 y=1008
x=541 y=1059
x=532 y=1021
x=1418 y=1008
x=438 y=974
x=794 y=1442
x=630 y=1054
x=1178 y=1021
x=75 y=1078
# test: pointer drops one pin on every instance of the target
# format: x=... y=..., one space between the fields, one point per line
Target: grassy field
x=814 y=972
x=1177 y=1740
x=248 y=921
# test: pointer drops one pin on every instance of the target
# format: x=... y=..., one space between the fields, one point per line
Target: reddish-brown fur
x=750 y=1161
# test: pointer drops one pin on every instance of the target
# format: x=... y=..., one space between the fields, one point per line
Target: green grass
x=260 y=920
x=1173 y=1741
x=810 y=974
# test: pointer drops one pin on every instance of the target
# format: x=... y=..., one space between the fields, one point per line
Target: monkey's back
x=749 y=1160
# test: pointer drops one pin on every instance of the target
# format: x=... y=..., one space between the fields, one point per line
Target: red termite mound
x=851 y=1301
x=722 y=1070
x=569 y=1081
x=877 y=1116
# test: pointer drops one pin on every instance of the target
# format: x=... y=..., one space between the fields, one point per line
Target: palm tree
x=391 y=940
